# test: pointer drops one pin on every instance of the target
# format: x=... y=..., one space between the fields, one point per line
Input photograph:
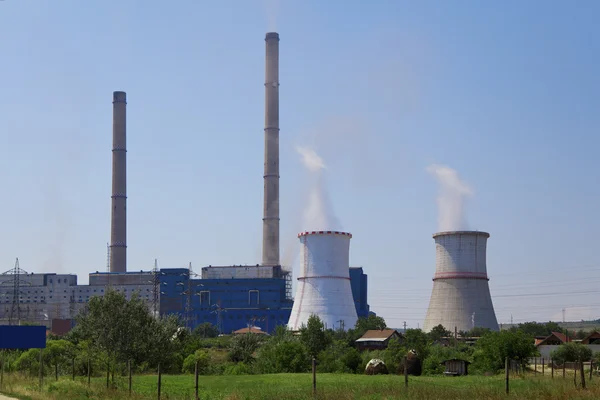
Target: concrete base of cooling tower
x=328 y=298
x=462 y=304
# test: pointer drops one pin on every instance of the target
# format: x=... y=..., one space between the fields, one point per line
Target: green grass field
x=299 y=386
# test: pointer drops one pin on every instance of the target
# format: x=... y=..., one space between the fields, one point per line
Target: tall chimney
x=271 y=196
x=118 y=225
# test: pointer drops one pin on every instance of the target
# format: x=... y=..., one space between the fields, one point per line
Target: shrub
x=285 y=356
x=201 y=357
x=242 y=347
x=238 y=369
x=570 y=352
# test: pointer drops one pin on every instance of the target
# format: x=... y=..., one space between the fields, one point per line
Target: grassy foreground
x=298 y=386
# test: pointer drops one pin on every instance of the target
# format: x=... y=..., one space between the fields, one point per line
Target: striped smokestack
x=118 y=223
x=270 y=253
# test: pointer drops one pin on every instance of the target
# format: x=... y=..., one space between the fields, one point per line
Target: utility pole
x=218 y=310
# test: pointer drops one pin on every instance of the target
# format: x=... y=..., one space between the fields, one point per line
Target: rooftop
x=377 y=335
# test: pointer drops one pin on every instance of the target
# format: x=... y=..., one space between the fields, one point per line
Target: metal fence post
x=405 y=372
x=543 y=364
x=159 y=380
x=196 y=381
x=506 y=374
x=41 y=368
x=129 y=371
x=314 y=374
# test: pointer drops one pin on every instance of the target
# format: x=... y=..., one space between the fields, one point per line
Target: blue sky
x=506 y=93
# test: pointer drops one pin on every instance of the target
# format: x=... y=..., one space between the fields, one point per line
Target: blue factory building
x=234 y=297
x=358 y=283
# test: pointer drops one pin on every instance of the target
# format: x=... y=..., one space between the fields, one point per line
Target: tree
x=478 y=331
x=571 y=352
x=438 y=332
x=417 y=340
x=206 y=330
x=243 y=346
x=126 y=330
x=313 y=336
x=492 y=349
x=538 y=329
x=363 y=324
x=199 y=356
x=287 y=355
x=369 y=323
x=394 y=354
x=58 y=353
x=340 y=358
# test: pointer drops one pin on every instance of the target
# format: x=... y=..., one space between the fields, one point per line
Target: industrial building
x=42 y=298
x=460 y=298
x=230 y=297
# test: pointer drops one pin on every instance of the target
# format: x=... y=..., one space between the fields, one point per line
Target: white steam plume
x=452 y=196
x=318 y=214
x=271 y=8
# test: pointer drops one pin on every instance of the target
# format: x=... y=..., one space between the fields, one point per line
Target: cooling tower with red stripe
x=460 y=298
x=324 y=282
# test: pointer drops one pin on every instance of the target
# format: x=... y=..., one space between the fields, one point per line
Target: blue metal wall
x=358 y=282
x=232 y=304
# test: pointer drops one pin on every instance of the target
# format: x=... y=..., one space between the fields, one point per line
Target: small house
x=550 y=343
x=377 y=339
x=251 y=329
x=554 y=339
x=592 y=338
x=456 y=367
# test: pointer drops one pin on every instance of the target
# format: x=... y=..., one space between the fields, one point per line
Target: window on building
x=205 y=298
x=253 y=297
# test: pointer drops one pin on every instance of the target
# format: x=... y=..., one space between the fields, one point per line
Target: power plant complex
x=258 y=295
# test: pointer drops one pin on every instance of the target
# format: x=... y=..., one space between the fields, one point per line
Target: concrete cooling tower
x=461 y=295
x=324 y=282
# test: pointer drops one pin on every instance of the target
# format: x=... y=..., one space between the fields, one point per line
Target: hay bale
x=414 y=366
x=376 y=367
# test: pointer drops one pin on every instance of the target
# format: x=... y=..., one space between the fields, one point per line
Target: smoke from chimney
x=118 y=226
x=270 y=253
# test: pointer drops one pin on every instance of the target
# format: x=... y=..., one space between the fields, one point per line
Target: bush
x=238 y=369
x=570 y=352
x=242 y=347
x=29 y=362
x=201 y=357
x=286 y=356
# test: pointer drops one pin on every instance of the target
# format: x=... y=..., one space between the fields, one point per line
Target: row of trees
x=113 y=332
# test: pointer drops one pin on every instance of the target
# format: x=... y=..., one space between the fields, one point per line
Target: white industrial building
x=47 y=296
